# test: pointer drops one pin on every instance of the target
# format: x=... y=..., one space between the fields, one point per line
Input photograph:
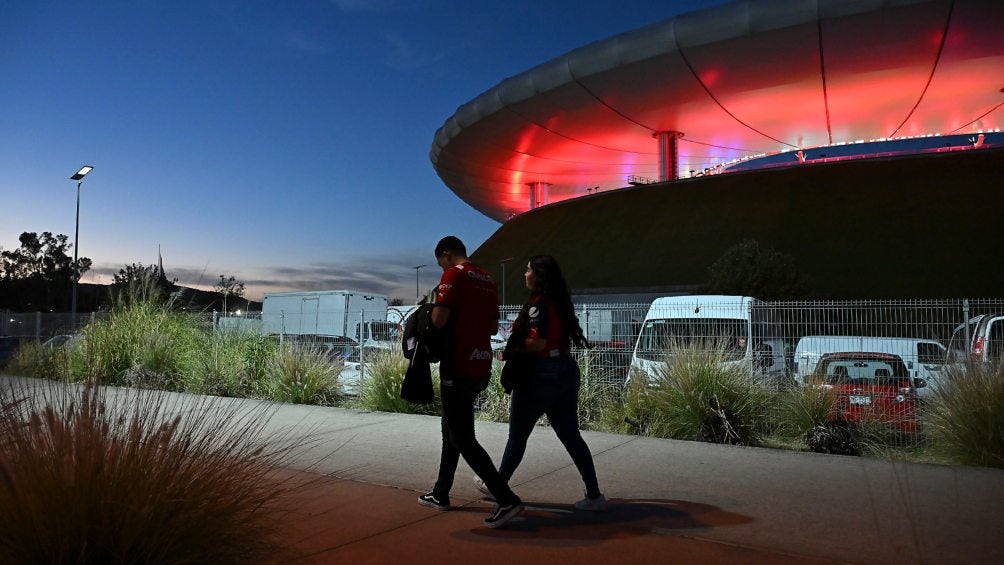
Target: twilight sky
x=284 y=143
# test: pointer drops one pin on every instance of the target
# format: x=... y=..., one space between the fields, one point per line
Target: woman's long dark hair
x=550 y=283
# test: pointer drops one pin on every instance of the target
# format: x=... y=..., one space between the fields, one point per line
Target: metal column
x=669 y=154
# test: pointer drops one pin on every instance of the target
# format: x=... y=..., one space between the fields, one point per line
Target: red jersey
x=469 y=293
x=544 y=322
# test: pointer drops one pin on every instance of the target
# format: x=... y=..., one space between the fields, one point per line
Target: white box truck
x=344 y=315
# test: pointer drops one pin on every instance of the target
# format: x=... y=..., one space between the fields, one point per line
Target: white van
x=924 y=358
x=727 y=320
x=986 y=339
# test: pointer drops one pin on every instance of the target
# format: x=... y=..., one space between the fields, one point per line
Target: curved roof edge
x=692 y=29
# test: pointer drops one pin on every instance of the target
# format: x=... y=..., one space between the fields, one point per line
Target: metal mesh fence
x=883 y=359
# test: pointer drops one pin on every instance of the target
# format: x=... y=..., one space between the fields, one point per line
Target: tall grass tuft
x=35 y=360
x=141 y=343
x=493 y=402
x=966 y=418
x=303 y=374
x=92 y=475
x=700 y=393
x=599 y=391
x=380 y=387
x=233 y=362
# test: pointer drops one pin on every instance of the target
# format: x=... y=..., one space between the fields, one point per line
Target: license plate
x=856 y=399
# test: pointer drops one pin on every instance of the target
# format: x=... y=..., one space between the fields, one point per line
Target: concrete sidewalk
x=671 y=501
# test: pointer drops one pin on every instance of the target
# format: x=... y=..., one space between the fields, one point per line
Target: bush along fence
x=838 y=377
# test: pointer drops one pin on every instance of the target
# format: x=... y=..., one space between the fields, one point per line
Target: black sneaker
x=503 y=514
x=433 y=501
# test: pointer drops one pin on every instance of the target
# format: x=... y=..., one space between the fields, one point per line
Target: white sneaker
x=592 y=504
x=483 y=489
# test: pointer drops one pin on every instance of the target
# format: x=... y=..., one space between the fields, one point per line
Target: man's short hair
x=452 y=244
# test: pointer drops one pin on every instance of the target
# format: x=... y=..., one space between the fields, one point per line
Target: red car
x=872 y=387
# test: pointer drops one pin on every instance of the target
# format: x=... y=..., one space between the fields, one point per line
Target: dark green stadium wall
x=924 y=226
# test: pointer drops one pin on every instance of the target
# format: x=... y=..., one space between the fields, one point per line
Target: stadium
x=861 y=138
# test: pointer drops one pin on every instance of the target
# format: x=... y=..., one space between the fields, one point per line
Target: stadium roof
x=739 y=80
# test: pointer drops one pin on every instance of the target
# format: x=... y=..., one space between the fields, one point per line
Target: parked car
x=924 y=358
x=62 y=340
x=986 y=339
x=871 y=387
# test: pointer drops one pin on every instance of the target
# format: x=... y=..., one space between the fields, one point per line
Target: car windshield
x=660 y=337
x=864 y=371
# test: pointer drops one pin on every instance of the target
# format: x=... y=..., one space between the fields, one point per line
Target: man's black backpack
x=419 y=331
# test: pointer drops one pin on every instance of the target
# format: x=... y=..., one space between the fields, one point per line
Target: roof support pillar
x=669 y=154
x=538 y=193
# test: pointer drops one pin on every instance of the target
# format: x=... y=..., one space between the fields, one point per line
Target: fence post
x=216 y=319
x=362 y=342
x=38 y=326
x=965 y=324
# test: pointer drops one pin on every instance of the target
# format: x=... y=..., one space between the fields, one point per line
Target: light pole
x=79 y=177
x=416 y=281
x=503 y=262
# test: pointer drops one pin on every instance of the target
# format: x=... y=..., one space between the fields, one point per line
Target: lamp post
x=416 y=281
x=503 y=262
x=79 y=177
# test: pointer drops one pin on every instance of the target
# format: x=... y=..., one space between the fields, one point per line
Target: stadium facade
x=649 y=125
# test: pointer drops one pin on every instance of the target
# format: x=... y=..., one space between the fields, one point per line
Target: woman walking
x=543 y=334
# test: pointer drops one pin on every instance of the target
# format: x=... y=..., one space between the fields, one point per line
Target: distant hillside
x=92 y=296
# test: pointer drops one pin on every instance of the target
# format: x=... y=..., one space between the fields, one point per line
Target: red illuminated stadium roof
x=738 y=80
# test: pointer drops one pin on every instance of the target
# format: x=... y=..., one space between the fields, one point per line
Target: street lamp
x=503 y=262
x=79 y=177
x=416 y=281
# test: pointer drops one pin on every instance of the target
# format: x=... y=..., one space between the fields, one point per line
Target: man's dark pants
x=458 y=396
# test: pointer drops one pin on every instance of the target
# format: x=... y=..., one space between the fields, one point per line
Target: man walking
x=466 y=313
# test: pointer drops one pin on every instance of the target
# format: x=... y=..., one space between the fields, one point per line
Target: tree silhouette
x=38 y=275
x=749 y=269
x=229 y=286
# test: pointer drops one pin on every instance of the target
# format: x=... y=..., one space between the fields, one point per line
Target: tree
x=749 y=269
x=38 y=275
x=229 y=286
x=141 y=282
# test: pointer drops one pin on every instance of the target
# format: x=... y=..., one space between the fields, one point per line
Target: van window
x=930 y=353
x=995 y=346
x=658 y=337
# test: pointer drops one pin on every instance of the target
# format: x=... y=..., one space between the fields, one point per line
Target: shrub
x=493 y=402
x=599 y=391
x=838 y=437
x=804 y=408
x=91 y=476
x=380 y=387
x=966 y=417
x=35 y=360
x=234 y=362
x=142 y=343
x=303 y=374
x=700 y=394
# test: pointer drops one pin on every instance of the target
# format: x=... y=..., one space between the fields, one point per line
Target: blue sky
x=283 y=143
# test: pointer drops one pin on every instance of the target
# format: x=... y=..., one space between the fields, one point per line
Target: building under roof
x=689 y=95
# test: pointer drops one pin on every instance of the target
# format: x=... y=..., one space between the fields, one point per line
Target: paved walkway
x=671 y=502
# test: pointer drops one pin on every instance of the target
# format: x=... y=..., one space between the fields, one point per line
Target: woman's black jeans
x=552 y=388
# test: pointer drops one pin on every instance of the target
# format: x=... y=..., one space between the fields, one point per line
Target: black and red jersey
x=469 y=292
